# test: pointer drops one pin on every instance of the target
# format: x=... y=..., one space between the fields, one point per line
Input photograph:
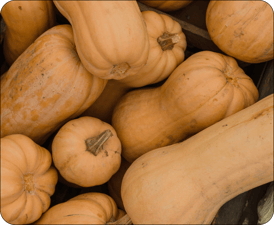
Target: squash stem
x=124 y=220
x=95 y=144
x=168 y=40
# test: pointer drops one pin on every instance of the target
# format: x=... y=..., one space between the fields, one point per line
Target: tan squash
x=242 y=29
x=46 y=86
x=86 y=151
x=187 y=183
x=27 y=179
x=167 y=50
x=203 y=90
x=110 y=36
x=88 y=208
x=167 y=5
x=25 y=21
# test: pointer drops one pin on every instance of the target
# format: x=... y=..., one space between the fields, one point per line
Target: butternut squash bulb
x=242 y=29
x=201 y=91
x=28 y=179
x=187 y=183
x=166 y=5
x=46 y=86
x=86 y=151
x=110 y=36
x=25 y=21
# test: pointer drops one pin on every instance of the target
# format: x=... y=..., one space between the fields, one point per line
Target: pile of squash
x=110 y=97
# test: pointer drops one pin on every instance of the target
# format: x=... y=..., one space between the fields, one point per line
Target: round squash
x=86 y=151
x=110 y=36
x=25 y=21
x=204 y=89
x=167 y=5
x=188 y=182
x=27 y=179
x=46 y=86
x=88 y=208
x=242 y=29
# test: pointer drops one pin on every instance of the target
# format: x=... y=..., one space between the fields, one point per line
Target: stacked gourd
x=188 y=145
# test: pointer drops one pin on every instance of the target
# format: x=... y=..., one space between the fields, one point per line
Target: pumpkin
x=110 y=36
x=27 y=179
x=187 y=183
x=167 y=50
x=25 y=21
x=88 y=208
x=204 y=89
x=166 y=5
x=86 y=151
x=46 y=86
x=242 y=29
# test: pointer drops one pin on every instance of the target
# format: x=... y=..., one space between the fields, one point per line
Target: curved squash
x=46 y=86
x=204 y=89
x=242 y=29
x=187 y=183
x=25 y=21
x=167 y=5
x=110 y=36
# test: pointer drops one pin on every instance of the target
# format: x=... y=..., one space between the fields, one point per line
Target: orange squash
x=86 y=151
x=46 y=86
x=25 y=21
x=187 y=183
x=167 y=5
x=110 y=36
x=27 y=179
x=204 y=89
x=242 y=29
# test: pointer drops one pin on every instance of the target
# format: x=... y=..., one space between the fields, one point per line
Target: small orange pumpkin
x=167 y=5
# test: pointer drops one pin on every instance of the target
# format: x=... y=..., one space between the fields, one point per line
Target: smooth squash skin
x=25 y=21
x=46 y=86
x=167 y=5
x=28 y=179
x=203 y=90
x=242 y=29
x=110 y=36
x=188 y=182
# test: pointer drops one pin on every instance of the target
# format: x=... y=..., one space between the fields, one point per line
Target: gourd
x=88 y=208
x=242 y=29
x=187 y=183
x=46 y=86
x=167 y=50
x=25 y=21
x=166 y=5
x=28 y=179
x=86 y=151
x=110 y=36
x=201 y=91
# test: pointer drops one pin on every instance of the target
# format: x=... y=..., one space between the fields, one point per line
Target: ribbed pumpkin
x=187 y=183
x=46 y=86
x=25 y=21
x=167 y=50
x=242 y=29
x=166 y=5
x=204 y=89
x=27 y=179
x=110 y=36
x=86 y=151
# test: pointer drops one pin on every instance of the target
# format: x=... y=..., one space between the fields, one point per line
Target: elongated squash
x=187 y=183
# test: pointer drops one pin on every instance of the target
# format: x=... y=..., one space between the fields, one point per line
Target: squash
x=28 y=179
x=242 y=29
x=86 y=151
x=187 y=183
x=110 y=36
x=25 y=21
x=166 y=5
x=88 y=208
x=46 y=86
x=167 y=50
x=204 y=89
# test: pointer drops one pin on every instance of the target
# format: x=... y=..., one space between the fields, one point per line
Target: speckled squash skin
x=166 y=5
x=46 y=86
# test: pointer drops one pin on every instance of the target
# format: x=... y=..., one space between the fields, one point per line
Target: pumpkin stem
x=95 y=144
x=168 y=40
x=124 y=220
x=120 y=69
